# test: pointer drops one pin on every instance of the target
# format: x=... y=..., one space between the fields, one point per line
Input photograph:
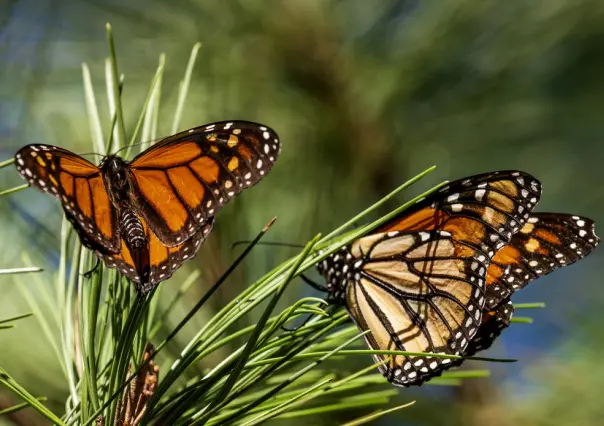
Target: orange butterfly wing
x=546 y=242
x=80 y=187
x=181 y=182
x=163 y=261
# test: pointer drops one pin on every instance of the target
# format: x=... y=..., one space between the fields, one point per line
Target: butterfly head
x=115 y=171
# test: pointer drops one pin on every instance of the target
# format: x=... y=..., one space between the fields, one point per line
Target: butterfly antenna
x=103 y=156
x=134 y=144
x=150 y=142
x=268 y=243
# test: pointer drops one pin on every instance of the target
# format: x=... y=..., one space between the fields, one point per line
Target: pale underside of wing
x=417 y=292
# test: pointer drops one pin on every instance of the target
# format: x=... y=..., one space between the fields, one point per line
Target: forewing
x=498 y=204
x=546 y=242
x=163 y=261
x=184 y=180
x=418 y=292
x=80 y=187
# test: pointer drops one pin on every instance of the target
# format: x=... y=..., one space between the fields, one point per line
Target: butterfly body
x=147 y=216
x=115 y=172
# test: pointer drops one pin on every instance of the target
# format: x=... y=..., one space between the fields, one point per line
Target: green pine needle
x=377 y=414
x=522 y=320
x=16 y=188
x=25 y=270
x=15 y=318
x=537 y=305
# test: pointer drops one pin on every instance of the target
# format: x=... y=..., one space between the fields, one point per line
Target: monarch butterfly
x=148 y=216
x=433 y=278
x=418 y=283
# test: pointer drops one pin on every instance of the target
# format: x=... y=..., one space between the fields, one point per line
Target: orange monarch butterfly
x=148 y=216
x=389 y=282
x=418 y=283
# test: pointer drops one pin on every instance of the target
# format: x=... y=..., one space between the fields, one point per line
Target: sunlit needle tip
x=269 y=224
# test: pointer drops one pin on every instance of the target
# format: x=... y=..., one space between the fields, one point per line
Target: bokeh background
x=364 y=95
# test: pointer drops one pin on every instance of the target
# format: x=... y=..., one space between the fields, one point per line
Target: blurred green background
x=363 y=95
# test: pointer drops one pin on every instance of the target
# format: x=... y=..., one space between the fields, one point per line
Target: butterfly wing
x=487 y=209
x=181 y=182
x=546 y=242
x=163 y=261
x=494 y=321
x=417 y=292
x=421 y=280
x=80 y=187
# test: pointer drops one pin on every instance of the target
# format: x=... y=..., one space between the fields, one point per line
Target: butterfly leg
x=313 y=284
x=309 y=316
x=88 y=274
x=296 y=328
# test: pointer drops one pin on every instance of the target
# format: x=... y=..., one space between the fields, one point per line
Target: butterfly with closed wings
x=418 y=283
x=432 y=278
x=148 y=216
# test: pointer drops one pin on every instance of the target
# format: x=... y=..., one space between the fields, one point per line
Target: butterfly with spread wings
x=418 y=283
x=148 y=216
x=546 y=242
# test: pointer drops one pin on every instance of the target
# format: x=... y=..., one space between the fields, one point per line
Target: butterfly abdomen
x=132 y=229
x=133 y=234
